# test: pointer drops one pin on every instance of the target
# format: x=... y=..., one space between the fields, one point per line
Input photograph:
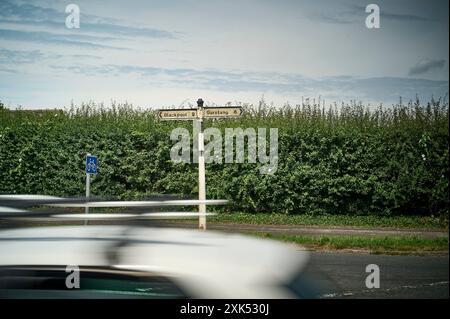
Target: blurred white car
x=147 y=262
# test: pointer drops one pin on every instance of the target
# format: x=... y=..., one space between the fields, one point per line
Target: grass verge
x=401 y=245
x=408 y=222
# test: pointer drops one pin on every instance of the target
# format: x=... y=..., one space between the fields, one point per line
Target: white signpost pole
x=201 y=167
x=88 y=190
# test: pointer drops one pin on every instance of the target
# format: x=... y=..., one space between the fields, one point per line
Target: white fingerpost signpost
x=91 y=168
x=197 y=115
x=201 y=167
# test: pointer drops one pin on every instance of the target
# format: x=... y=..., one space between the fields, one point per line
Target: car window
x=50 y=282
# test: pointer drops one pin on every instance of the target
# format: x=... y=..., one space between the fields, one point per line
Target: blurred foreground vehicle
x=143 y=262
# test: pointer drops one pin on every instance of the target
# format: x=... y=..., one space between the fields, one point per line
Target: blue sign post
x=91 y=168
x=91 y=164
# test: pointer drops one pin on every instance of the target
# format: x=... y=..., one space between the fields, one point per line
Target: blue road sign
x=91 y=164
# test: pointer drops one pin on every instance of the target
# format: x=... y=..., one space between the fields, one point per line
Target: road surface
x=342 y=275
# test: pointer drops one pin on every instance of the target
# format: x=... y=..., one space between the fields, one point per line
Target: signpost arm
x=201 y=168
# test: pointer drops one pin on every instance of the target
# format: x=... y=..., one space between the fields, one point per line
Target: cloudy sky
x=158 y=53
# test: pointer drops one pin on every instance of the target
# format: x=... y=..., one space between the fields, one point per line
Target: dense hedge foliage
x=339 y=159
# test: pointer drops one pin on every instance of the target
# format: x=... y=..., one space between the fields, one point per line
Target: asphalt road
x=342 y=275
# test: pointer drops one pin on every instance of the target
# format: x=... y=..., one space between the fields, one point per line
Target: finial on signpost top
x=200 y=102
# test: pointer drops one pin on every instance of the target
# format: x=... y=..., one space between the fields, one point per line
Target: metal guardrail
x=13 y=206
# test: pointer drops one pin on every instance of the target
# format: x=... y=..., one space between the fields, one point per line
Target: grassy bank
x=401 y=245
x=410 y=222
x=418 y=223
